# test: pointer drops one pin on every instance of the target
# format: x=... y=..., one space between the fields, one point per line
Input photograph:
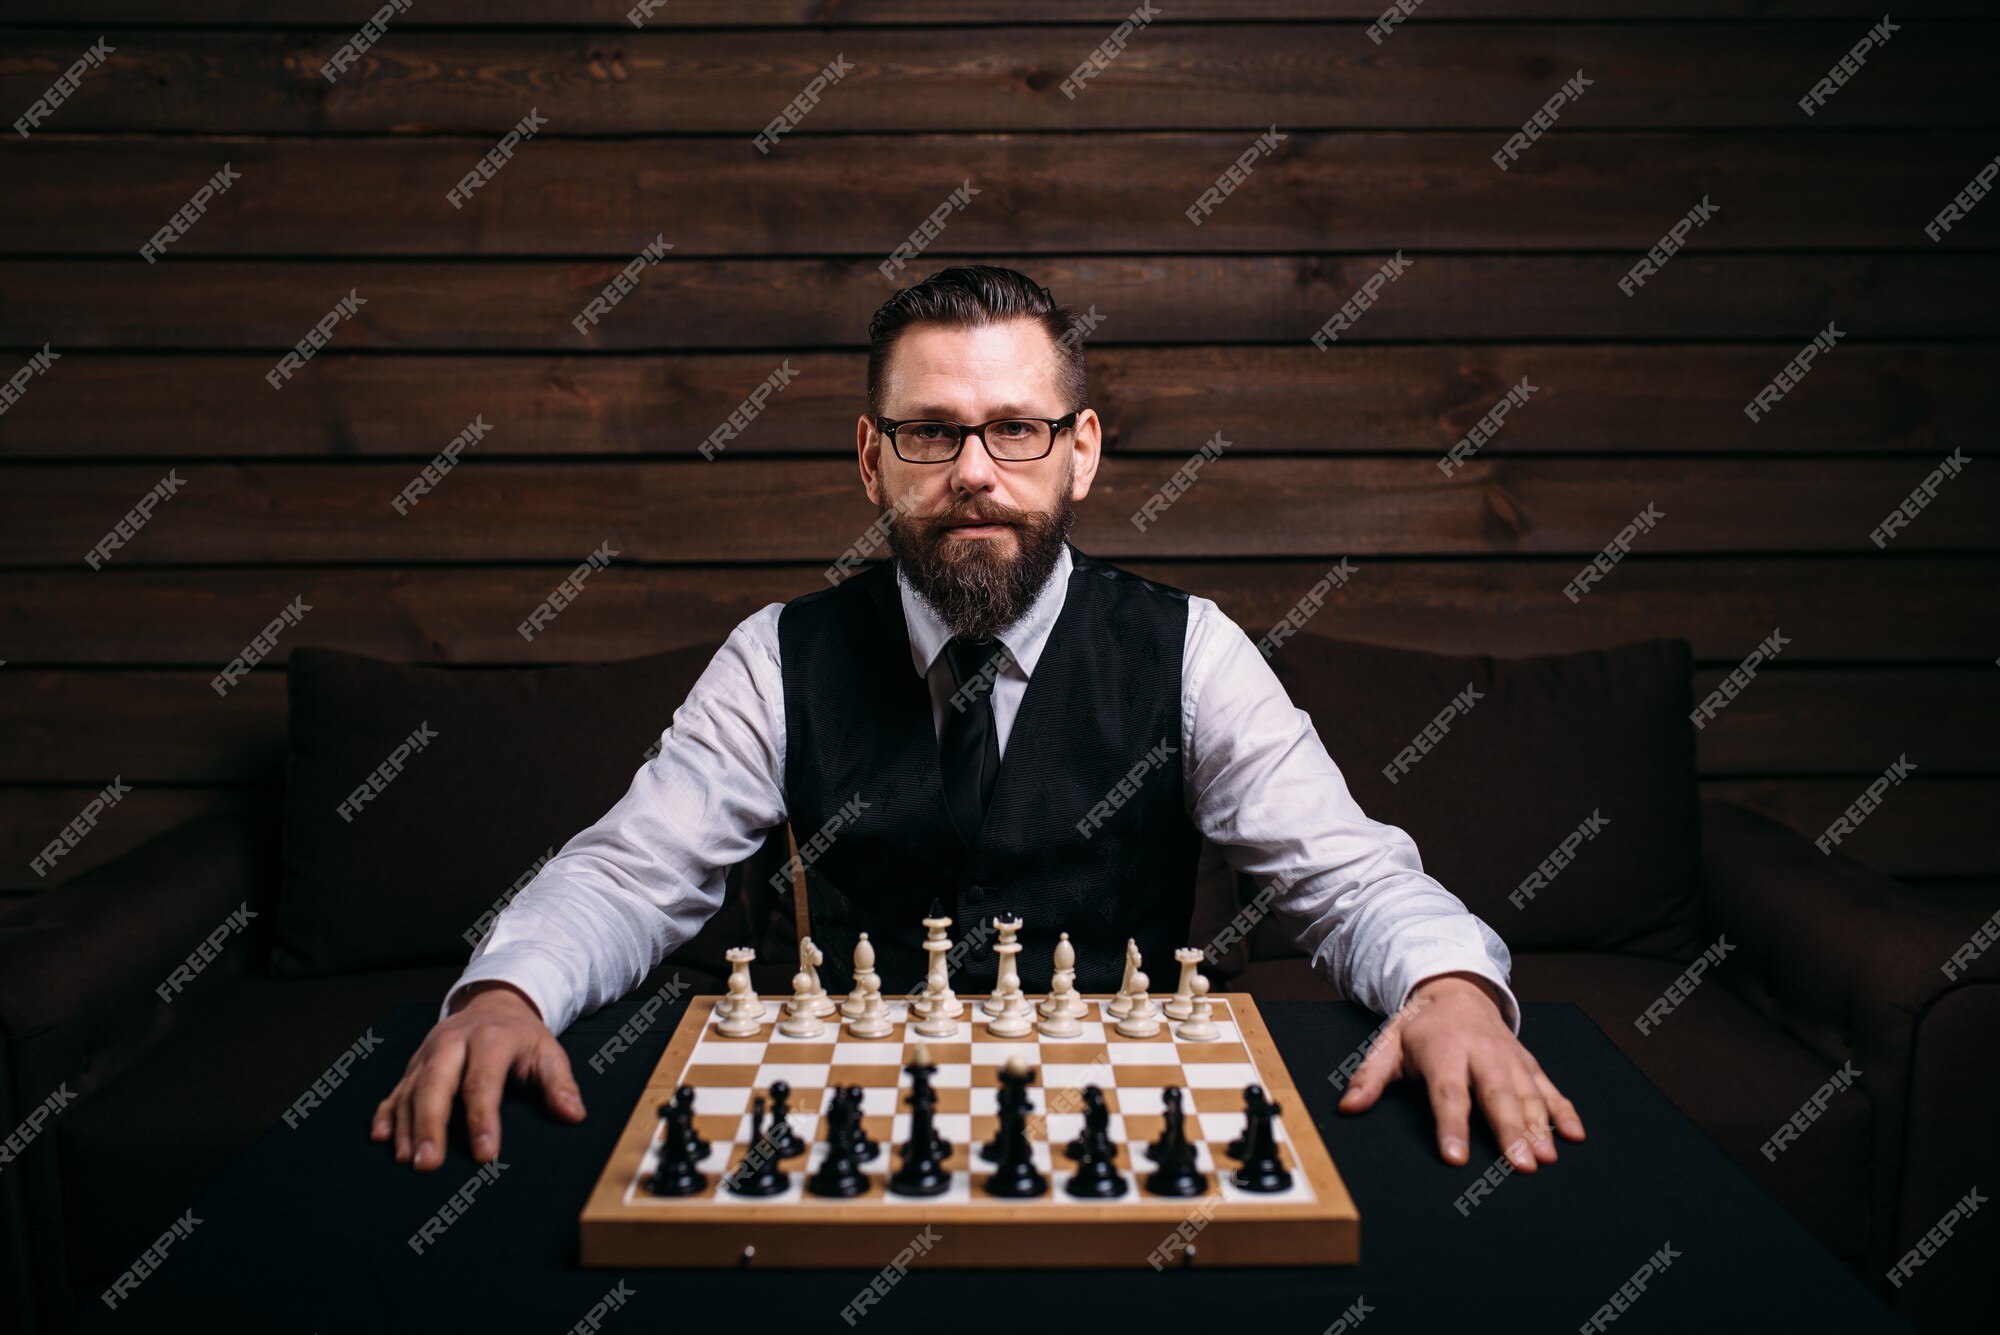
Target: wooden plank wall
x=341 y=187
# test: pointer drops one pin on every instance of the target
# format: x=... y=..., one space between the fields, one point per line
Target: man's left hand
x=1452 y=1034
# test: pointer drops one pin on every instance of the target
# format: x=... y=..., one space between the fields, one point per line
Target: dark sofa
x=165 y=1077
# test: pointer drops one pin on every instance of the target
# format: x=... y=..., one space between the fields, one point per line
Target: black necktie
x=969 y=749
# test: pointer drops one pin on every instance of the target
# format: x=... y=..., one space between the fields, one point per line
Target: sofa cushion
x=1537 y=748
x=510 y=765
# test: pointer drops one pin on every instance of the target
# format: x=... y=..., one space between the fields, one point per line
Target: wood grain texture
x=796 y=305
x=1036 y=194
x=1492 y=76
x=1627 y=400
x=701 y=512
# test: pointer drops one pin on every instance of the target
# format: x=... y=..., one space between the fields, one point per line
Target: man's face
x=977 y=536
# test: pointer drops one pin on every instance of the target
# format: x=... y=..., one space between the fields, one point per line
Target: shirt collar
x=1024 y=640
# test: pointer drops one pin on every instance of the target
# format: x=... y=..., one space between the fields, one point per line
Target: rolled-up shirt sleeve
x=643 y=879
x=1262 y=787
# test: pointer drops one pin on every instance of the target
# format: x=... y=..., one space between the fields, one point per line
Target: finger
x=485 y=1080
x=1382 y=1064
x=559 y=1089
x=401 y=1097
x=436 y=1089
x=1503 y=1113
x=383 y=1124
x=1451 y=1102
x=1564 y=1112
x=1535 y=1116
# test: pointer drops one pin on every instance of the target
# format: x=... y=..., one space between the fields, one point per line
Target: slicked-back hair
x=967 y=296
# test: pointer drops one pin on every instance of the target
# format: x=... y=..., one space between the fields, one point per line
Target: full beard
x=975 y=588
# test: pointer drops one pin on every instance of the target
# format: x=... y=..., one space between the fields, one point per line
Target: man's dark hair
x=966 y=296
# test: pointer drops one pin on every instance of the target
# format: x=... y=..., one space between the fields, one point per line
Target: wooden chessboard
x=1312 y=1222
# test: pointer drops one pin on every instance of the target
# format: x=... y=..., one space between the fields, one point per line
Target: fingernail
x=483 y=1142
x=1454 y=1149
x=424 y=1151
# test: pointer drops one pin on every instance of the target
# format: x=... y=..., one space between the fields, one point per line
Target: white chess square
x=867 y=1052
x=1141 y=1054
x=802 y=1076
x=712 y=1101
x=1076 y=1076
x=952 y=1075
x=1149 y=1101
x=1218 y=1075
x=727 y=1054
x=992 y=1052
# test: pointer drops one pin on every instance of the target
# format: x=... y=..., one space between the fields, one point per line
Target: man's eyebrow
x=940 y=412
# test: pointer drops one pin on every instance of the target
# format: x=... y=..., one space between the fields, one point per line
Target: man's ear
x=1087 y=450
x=868 y=455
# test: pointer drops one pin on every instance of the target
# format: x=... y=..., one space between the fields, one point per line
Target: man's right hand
x=495 y=1034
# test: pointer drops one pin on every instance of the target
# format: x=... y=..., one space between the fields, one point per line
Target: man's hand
x=1452 y=1034
x=496 y=1033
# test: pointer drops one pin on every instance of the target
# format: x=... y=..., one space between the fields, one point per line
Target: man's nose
x=973 y=470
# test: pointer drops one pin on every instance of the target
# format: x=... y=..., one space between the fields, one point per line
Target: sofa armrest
x=80 y=963
x=1858 y=968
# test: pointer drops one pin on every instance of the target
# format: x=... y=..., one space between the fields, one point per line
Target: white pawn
x=1142 y=1020
x=1182 y=1004
x=1199 y=1027
x=741 y=1012
x=864 y=975
x=811 y=957
x=799 y=1021
x=873 y=1022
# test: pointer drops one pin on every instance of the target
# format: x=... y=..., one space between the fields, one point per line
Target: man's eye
x=926 y=431
x=1014 y=430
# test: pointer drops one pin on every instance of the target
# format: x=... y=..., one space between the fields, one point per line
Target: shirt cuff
x=1417 y=973
x=537 y=977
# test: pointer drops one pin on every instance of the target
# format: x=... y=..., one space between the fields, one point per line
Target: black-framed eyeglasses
x=1010 y=439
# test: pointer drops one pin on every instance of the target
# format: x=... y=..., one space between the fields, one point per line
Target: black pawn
x=1262 y=1169
x=1096 y=1176
x=1170 y=1109
x=1253 y=1100
x=1096 y=1120
x=866 y=1150
x=675 y=1174
x=1014 y=1172
x=781 y=1133
x=1177 y=1174
x=684 y=1101
x=838 y=1174
x=758 y=1174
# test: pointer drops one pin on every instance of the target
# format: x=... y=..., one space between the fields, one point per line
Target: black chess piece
x=781 y=1133
x=839 y=1174
x=1096 y=1118
x=1175 y=1154
x=1170 y=1111
x=1253 y=1097
x=758 y=1174
x=922 y=1172
x=1014 y=1172
x=994 y=1148
x=684 y=1101
x=675 y=1173
x=1096 y=1176
x=866 y=1150
x=1262 y=1170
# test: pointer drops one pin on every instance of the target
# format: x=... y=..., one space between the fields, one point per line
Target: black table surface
x=309 y=1230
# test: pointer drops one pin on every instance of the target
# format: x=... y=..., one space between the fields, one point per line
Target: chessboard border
x=985 y=1233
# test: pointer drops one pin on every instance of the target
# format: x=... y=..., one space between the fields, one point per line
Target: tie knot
x=971 y=661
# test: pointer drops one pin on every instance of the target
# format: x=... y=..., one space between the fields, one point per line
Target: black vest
x=1086 y=832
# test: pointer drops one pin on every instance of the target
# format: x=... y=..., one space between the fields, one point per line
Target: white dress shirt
x=1258 y=783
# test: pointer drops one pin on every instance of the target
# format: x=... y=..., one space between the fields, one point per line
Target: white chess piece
x=1012 y=1018
x=1119 y=1007
x=864 y=973
x=1182 y=1004
x=811 y=956
x=873 y=1022
x=1008 y=929
x=740 y=1014
x=1199 y=1027
x=1062 y=1007
x=800 y=1021
x=937 y=980
x=1062 y=985
x=1142 y=1018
